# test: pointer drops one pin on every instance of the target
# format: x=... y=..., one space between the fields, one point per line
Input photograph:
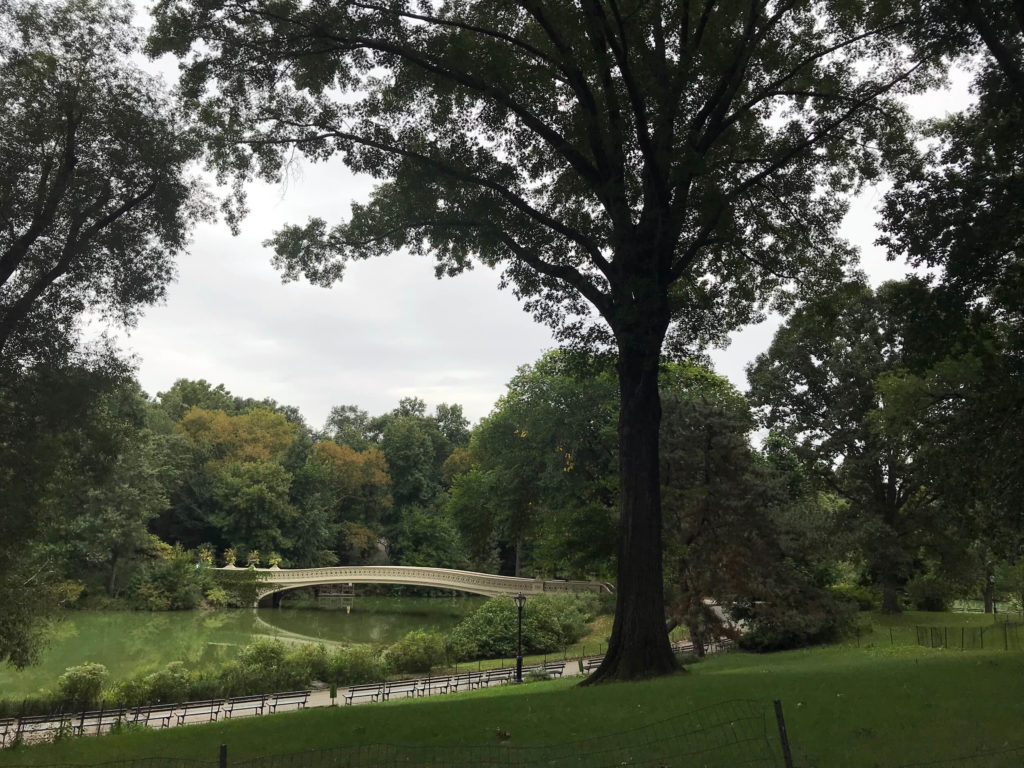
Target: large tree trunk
x=890 y=595
x=891 y=553
x=989 y=591
x=112 y=581
x=639 y=645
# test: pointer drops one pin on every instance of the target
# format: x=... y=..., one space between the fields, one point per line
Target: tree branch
x=465 y=175
x=1000 y=51
x=45 y=214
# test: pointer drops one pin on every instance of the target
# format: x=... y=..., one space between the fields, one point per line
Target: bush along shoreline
x=552 y=623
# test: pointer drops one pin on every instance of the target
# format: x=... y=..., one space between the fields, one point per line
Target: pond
x=129 y=643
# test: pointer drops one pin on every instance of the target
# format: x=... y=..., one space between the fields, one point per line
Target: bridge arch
x=486 y=584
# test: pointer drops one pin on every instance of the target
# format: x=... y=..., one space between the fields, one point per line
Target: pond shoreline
x=130 y=642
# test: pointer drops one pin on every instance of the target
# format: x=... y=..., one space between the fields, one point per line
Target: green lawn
x=846 y=706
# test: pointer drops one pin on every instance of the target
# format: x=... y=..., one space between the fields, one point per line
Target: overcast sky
x=389 y=329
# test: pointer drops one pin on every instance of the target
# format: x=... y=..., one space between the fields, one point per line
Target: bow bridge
x=280 y=579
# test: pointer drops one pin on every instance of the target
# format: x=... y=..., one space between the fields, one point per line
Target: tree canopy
x=96 y=198
x=630 y=166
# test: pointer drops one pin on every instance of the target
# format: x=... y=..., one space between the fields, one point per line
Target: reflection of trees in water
x=372 y=620
x=135 y=643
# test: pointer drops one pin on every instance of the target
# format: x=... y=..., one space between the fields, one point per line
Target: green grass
x=846 y=706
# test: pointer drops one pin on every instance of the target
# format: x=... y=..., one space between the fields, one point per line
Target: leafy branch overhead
x=95 y=196
x=574 y=146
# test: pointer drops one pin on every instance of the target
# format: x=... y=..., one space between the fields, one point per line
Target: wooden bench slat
x=209 y=707
x=408 y=687
x=429 y=684
x=161 y=712
x=298 y=698
x=240 y=703
x=371 y=690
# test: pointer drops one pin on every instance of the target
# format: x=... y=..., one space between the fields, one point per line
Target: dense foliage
x=643 y=173
x=648 y=181
x=550 y=623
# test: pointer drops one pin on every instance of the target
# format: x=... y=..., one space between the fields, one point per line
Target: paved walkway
x=43 y=728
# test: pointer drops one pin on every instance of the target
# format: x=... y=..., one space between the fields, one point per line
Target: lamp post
x=520 y=602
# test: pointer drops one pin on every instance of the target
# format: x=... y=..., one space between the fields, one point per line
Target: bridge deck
x=280 y=579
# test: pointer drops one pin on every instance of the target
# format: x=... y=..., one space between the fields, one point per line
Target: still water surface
x=130 y=643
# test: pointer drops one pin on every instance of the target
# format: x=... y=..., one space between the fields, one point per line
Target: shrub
x=356 y=664
x=170 y=684
x=865 y=598
x=171 y=582
x=310 y=662
x=216 y=597
x=779 y=626
x=265 y=665
x=79 y=687
x=550 y=622
x=418 y=651
x=130 y=693
x=929 y=592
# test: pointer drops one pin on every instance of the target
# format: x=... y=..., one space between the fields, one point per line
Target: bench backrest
x=100 y=715
x=157 y=709
x=205 y=706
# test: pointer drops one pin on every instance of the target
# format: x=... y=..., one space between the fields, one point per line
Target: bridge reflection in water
x=487 y=584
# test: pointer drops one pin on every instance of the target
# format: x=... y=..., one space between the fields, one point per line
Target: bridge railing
x=438 y=577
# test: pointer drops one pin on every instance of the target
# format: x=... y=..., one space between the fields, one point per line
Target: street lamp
x=520 y=602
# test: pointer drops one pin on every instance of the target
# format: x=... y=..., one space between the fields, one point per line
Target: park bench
x=502 y=676
x=399 y=687
x=590 y=663
x=429 y=685
x=8 y=725
x=98 y=719
x=32 y=725
x=555 y=668
x=370 y=690
x=243 y=703
x=287 y=698
x=466 y=681
x=208 y=707
x=148 y=713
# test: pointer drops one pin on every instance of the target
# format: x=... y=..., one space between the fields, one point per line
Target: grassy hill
x=863 y=703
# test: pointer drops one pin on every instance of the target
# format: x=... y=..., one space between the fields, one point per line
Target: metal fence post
x=787 y=755
x=222 y=760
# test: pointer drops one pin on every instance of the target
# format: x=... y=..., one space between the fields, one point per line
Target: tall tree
x=186 y=394
x=958 y=210
x=818 y=387
x=53 y=440
x=95 y=204
x=663 y=165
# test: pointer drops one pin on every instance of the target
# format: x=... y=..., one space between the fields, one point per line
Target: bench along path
x=41 y=728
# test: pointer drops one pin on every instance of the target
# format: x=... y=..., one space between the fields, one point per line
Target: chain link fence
x=1004 y=636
